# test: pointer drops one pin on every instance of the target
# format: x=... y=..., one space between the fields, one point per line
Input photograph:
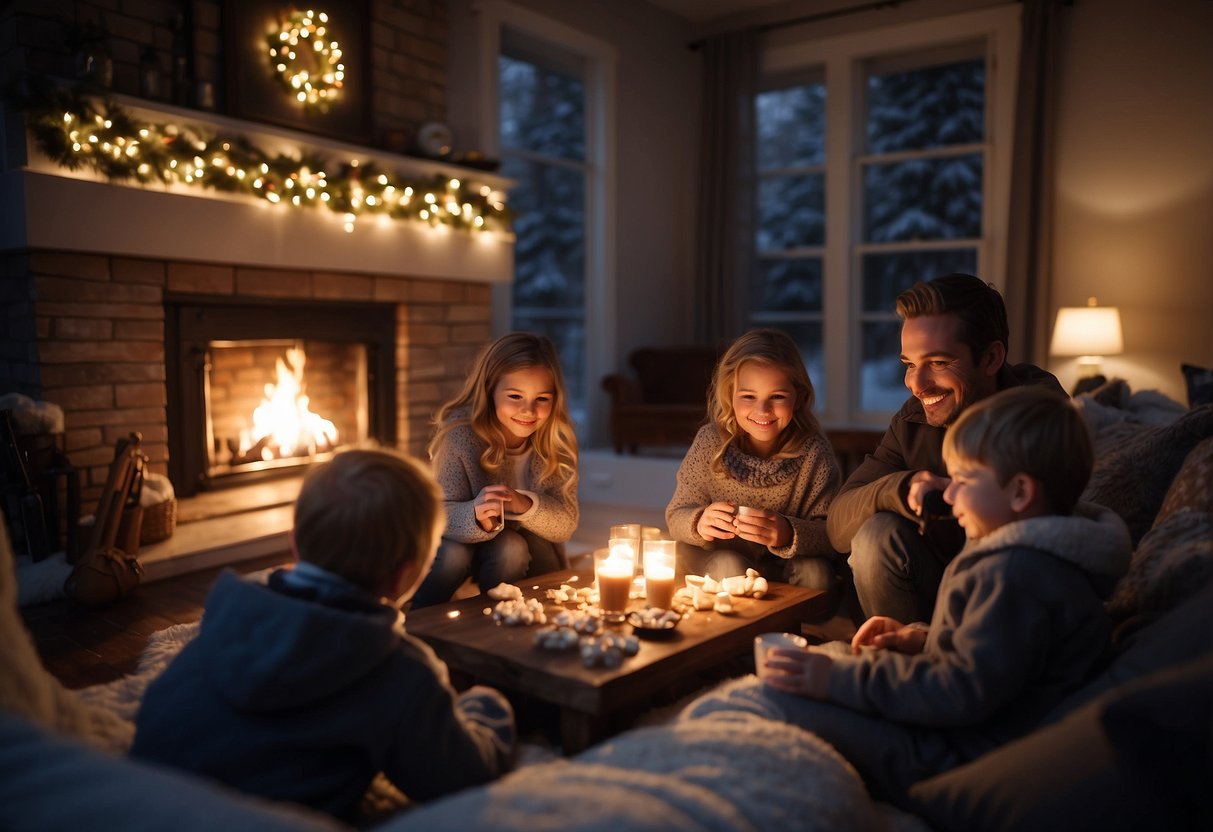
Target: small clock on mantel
x=434 y=140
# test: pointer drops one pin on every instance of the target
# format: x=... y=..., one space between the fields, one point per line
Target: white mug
x=768 y=641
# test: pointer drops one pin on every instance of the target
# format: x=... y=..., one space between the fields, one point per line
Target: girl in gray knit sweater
x=506 y=458
x=755 y=486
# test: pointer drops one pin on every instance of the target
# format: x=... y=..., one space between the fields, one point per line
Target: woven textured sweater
x=457 y=469
x=800 y=488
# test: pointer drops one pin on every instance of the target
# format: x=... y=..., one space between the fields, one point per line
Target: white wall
x=1135 y=182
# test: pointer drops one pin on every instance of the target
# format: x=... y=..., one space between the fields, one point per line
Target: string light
x=123 y=149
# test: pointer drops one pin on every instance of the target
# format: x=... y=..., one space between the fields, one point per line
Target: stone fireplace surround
x=86 y=277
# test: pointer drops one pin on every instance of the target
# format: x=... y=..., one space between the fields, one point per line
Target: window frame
x=842 y=60
x=600 y=65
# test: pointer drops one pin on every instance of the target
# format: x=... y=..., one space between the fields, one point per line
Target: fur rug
x=38 y=583
x=121 y=697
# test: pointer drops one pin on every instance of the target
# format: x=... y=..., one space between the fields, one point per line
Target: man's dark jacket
x=909 y=445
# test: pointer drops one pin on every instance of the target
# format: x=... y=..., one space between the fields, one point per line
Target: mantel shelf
x=58 y=209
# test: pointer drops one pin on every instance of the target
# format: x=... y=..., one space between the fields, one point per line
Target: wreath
x=306 y=62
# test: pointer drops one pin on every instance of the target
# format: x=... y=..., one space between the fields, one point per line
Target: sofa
x=1131 y=748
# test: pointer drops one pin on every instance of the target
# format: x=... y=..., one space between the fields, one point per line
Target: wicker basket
x=159 y=521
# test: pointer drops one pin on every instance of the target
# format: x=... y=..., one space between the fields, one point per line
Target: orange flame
x=285 y=416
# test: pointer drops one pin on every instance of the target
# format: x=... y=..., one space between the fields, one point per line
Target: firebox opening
x=280 y=403
x=261 y=390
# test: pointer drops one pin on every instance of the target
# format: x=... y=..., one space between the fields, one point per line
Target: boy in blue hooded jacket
x=304 y=688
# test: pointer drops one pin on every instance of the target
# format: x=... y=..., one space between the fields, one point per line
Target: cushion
x=1200 y=384
x=1132 y=477
x=49 y=782
x=1150 y=642
x=1192 y=489
x=1136 y=758
x=1173 y=561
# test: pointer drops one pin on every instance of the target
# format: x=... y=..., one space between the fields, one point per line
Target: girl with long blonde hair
x=754 y=488
x=505 y=456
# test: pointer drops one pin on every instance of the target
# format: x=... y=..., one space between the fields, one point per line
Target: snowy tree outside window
x=543 y=127
x=790 y=227
x=912 y=151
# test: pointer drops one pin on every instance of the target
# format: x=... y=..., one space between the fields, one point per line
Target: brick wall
x=408 y=43
x=86 y=332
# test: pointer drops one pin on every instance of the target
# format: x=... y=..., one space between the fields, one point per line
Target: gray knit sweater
x=457 y=469
x=800 y=488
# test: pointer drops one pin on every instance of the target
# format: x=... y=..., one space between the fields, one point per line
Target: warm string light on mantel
x=76 y=132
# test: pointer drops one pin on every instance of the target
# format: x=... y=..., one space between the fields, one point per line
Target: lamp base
x=1086 y=384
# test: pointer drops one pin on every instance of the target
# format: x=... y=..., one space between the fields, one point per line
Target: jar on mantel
x=93 y=62
x=149 y=74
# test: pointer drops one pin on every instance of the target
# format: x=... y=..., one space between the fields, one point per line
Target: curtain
x=724 y=218
x=1031 y=215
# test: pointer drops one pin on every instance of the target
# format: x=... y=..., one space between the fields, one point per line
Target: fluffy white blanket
x=736 y=773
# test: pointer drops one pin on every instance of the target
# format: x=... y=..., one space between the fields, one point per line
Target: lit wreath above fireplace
x=307 y=63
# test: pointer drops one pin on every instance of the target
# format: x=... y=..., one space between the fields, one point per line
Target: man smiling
x=954 y=349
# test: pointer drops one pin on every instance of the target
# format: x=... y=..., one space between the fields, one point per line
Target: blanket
x=742 y=773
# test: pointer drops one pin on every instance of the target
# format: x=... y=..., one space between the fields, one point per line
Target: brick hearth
x=86 y=331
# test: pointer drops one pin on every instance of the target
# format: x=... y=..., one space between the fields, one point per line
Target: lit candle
x=659 y=572
x=614 y=568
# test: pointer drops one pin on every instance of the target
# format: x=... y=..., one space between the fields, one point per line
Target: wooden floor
x=88 y=646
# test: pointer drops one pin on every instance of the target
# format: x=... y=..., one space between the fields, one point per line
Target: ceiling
x=700 y=11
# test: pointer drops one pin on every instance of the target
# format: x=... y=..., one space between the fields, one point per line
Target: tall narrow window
x=922 y=189
x=788 y=290
x=542 y=96
x=882 y=159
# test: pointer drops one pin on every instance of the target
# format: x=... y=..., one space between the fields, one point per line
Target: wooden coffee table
x=472 y=644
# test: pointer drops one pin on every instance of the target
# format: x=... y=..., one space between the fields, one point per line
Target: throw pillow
x=1191 y=489
x=1135 y=758
x=1133 y=477
x=1092 y=770
x=1200 y=384
x=1171 y=563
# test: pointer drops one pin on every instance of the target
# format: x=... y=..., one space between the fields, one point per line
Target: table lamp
x=1088 y=332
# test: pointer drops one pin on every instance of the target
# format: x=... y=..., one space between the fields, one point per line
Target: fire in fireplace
x=255 y=423
x=258 y=390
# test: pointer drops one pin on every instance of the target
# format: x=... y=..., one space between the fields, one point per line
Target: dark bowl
x=649 y=631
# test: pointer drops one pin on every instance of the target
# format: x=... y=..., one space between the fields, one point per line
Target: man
x=954 y=348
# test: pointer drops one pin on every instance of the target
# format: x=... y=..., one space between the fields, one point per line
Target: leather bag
x=104 y=572
x=103 y=576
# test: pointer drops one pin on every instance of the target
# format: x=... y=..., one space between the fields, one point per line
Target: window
x=790 y=227
x=548 y=114
x=881 y=159
x=543 y=148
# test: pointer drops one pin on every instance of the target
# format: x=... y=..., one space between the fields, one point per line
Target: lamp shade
x=1087 y=330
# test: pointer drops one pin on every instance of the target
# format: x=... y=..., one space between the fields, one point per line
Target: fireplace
x=262 y=389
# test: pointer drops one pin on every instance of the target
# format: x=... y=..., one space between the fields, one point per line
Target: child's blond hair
x=1027 y=430
x=554 y=443
x=773 y=348
x=366 y=513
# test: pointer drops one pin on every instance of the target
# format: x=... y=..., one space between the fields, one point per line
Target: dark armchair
x=666 y=402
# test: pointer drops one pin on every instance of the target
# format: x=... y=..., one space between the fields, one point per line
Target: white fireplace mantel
x=49 y=207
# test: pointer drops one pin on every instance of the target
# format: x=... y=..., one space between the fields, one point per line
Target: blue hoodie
x=303 y=693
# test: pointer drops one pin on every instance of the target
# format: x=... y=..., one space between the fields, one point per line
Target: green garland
x=77 y=132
